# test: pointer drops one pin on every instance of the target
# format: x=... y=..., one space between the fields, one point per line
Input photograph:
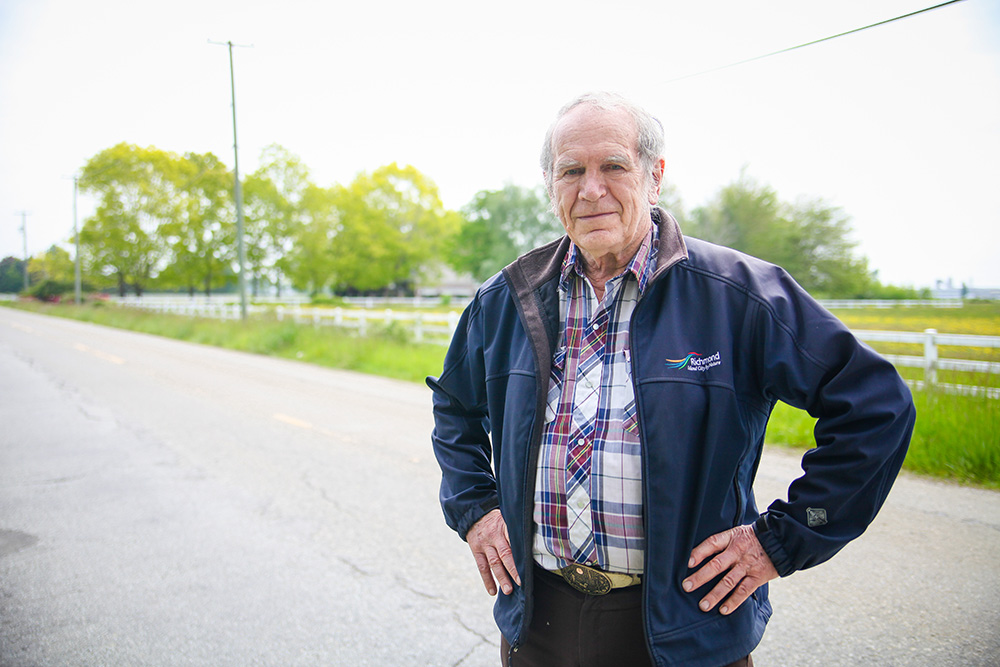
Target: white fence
x=419 y=302
x=423 y=326
x=429 y=327
x=931 y=361
x=833 y=304
x=438 y=328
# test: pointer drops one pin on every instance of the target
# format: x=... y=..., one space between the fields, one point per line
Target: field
x=956 y=437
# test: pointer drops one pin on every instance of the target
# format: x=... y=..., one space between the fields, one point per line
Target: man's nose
x=593 y=187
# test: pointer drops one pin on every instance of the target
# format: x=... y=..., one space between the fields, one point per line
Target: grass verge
x=383 y=352
x=956 y=437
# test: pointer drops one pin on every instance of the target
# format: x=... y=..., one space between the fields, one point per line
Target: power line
x=815 y=41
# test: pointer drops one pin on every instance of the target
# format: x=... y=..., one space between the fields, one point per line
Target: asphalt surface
x=163 y=503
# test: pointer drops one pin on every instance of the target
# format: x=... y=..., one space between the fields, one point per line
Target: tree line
x=167 y=222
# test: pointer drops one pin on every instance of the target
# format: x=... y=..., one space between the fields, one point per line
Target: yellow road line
x=292 y=420
x=106 y=356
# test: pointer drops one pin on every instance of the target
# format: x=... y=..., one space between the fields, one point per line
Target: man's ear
x=657 y=184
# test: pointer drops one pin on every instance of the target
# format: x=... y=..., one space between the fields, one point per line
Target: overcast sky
x=898 y=125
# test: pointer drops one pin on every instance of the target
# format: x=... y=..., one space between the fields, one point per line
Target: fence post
x=418 y=328
x=930 y=358
x=452 y=323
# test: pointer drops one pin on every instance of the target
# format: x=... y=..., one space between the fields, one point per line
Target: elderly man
x=601 y=414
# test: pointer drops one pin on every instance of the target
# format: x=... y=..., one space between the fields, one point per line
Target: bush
x=50 y=290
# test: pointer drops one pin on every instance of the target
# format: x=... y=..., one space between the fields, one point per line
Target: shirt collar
x=642 y=265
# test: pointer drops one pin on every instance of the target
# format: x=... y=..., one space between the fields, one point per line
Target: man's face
x=599 y=190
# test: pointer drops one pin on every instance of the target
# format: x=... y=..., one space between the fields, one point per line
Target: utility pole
x=24 y=235
x=238 y=189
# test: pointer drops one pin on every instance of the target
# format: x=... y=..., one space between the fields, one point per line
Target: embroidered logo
x=695 y=361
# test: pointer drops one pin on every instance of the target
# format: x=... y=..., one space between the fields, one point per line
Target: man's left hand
x=741 y=557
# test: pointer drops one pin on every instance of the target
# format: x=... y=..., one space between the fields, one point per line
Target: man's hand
x=740 y=557
x=491 y=547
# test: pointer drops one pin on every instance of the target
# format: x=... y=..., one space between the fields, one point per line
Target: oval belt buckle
x=586 y=579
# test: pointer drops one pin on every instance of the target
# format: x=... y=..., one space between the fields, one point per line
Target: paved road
x=170 y=504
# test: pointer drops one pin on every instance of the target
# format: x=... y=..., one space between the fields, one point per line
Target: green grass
x=956 y=437
x=383 y=352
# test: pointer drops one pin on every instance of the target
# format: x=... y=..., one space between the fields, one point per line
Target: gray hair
x=649 y=143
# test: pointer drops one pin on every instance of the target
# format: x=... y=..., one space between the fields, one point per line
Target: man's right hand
x=491 y=548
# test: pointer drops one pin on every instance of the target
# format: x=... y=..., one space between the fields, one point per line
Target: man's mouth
x=594 y=216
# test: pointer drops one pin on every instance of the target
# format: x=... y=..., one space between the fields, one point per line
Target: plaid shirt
x=588 y=491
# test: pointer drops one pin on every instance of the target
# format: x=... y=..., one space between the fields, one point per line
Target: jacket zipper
x=640 y=421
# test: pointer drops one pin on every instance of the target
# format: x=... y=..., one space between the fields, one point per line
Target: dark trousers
x=573 y=629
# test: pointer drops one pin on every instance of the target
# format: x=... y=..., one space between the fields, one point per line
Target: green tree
x=810 y=240
x=391 y=231
x=273 y=197
x=200 y=233
x=122 y=240
x=53 y=264
x=11 y=275
x=748 y=217
x=500 y=225
x=825 y=254
x=309 y=263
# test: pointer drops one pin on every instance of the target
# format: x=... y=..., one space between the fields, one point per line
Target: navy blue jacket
x=758 y=338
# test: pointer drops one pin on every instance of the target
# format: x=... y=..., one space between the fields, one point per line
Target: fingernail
x=724 y=610
x=704 y=605
x=688 y=586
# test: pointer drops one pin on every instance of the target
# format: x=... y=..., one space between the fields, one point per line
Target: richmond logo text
x=695 y=361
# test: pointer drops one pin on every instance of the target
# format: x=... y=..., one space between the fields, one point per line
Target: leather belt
x=592 y=581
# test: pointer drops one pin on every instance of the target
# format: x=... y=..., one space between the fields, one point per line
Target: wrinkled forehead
x=587 y=129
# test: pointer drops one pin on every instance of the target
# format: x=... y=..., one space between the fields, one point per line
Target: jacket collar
x=672 y=247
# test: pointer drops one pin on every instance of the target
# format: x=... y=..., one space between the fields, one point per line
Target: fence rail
x=890 y=303
x=425 y=327
x=931 y=361
x=438 y=328
x=418 y=302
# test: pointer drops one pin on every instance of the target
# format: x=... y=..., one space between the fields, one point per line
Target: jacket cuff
x=476 y=513
x=769 y=541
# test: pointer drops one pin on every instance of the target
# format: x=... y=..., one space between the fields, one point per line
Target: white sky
x=898 y=125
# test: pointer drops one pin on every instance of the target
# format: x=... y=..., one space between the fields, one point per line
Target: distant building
x=946 y=289
x=448 y=283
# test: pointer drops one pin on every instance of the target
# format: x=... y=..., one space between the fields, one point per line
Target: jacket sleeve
x=865 y=417
x=461 y=438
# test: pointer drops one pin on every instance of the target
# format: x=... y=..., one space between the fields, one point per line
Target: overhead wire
x=815 y=41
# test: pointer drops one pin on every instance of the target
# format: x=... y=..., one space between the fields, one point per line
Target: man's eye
x=575 y=171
